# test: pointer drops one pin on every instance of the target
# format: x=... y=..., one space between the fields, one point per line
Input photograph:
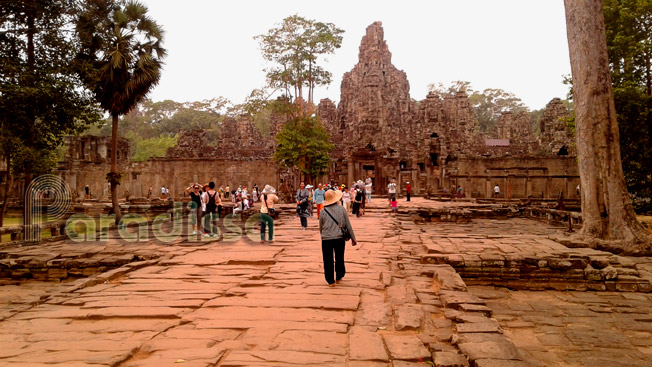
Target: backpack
x=211 y=207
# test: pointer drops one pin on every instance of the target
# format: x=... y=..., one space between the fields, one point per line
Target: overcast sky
x=516 y=45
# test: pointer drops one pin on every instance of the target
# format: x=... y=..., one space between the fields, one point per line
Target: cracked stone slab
x=407 y=347
x=366 y=345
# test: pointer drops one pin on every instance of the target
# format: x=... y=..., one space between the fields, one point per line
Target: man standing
x=408 y=190
x=162 y=192
x=303 y=207
x=195 y=205
x=212 y=200
x=319 y=198
x=149 y=192
x=496 y=191
x=391 y=188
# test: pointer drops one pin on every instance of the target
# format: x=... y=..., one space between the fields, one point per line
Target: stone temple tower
x=375 y=98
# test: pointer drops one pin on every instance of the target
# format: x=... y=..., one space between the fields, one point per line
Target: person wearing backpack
x=268 y=198
x=335 y=229
x=212 y=201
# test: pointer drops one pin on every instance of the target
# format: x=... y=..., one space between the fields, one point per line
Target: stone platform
x=236 y=302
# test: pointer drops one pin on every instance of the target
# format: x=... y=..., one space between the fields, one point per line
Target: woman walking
x=346 y=198
x=331 y=227
x=303 y=205
x=268 y=198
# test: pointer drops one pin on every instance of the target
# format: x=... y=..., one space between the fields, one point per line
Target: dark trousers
x=209 y=222
x=328 y=247
x=266 y=221
x=408 y=196
x=304 y=222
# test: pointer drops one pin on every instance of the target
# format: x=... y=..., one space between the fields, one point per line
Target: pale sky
x=516 y=45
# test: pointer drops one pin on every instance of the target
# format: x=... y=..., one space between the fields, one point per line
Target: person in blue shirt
x=319 y=198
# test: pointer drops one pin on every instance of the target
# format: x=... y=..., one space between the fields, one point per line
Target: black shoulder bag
x=344 y=229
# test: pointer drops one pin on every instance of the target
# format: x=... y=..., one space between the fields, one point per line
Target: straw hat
x=332 y=197
x=268 y=190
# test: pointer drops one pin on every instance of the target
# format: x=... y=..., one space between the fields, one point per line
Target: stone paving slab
x=240 y=303
x=574 y=328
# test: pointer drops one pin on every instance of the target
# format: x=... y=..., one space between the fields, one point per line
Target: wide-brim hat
x=309 y=187
x=268 y=190
x=332 y=197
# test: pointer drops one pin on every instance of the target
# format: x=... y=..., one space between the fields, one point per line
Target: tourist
x=333 y=239
x=357 y=201
x=196 y=207
x=268 y=198
x=212 y=200
x=346 y=198
x=254 y=193
x=303 y=205
x=88 y=192
x=311 y=198
x=162 y=192
x=367 y=188
x=319 y=198
x=149 y=192
x=227 y=192
x=394 y=204
x=408 y=190
x=167 y=192
x=363 y=203
x=496 y=191
x=459 y=192
x=391 y=188
x=577 y=190
x=238 y=206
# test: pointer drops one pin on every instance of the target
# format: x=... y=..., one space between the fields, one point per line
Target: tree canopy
x=294 y=48
x=42 y=99
x=304 y=143
x=628 y=26
x=121 y=58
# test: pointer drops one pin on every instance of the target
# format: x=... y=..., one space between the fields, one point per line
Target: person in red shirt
x=408 y=190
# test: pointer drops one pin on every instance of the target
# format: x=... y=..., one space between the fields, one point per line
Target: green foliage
x=304 y=143
x=628 y=26
x=121 y=53
x=154 y=147
x=41 y=96
x=294 y=47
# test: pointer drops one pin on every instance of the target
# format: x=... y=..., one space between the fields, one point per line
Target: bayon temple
x=378 y=130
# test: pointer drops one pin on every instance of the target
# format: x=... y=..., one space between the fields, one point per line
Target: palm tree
x=121 y=56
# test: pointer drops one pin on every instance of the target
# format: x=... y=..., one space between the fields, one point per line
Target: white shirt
x=392 y=188
x=496 y=189
x=367 y=188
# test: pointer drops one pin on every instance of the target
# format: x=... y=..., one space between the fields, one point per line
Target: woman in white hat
x=333 y=224
x=268 y=198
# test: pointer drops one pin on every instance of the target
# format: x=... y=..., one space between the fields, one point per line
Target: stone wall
x=378 y=130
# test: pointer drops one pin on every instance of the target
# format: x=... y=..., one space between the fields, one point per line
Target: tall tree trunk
x=31 y=15
x=9 y=180
x=606 y=205
x=114 y=169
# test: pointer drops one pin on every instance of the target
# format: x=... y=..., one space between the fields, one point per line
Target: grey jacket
x=331 y=231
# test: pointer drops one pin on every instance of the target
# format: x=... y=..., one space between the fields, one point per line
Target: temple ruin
x=379 y=131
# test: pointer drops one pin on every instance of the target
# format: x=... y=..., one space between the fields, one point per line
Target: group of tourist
x=207 y=203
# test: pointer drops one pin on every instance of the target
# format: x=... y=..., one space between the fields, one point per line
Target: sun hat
x=332 y=197
x=268 y=190
x=309 y=186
